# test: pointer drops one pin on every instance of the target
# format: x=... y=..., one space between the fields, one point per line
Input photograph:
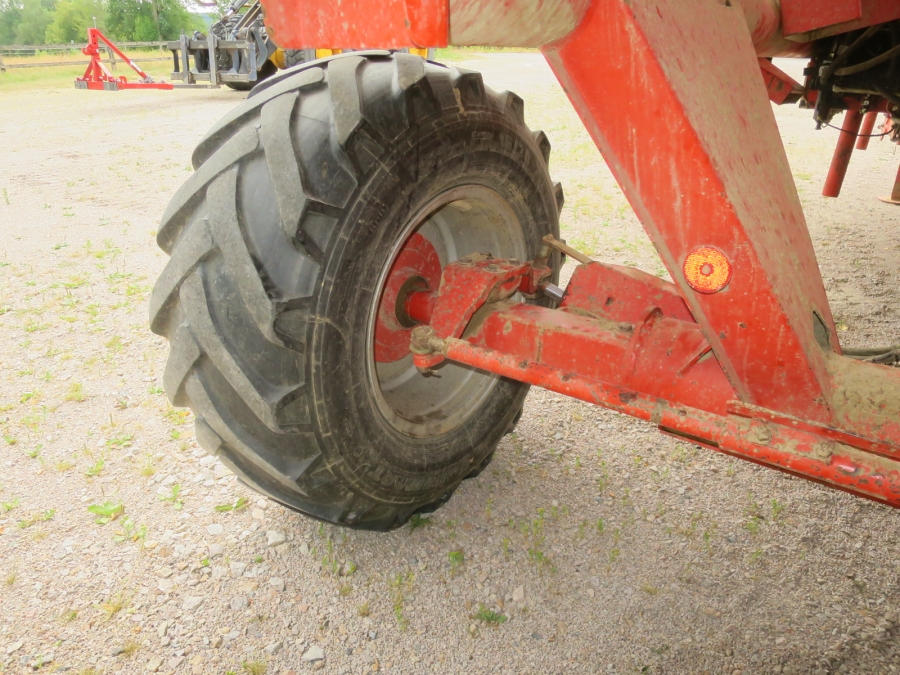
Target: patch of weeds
x=614 y=555
x=115 y=604
x=148 y=469
x=114 y=344
x=129 y=648
x=106 y=512
x=400 y=585
x=75 y=281
x=345 y=590
x=778 y=511
x=755 y=517
x=533 y=530
x=33 y=327
x=64 y=465
x=75 y=392
x=172 y=498
x=5 y=507
x=71 y=615
x=489 y=616
x=363 y=609
x=603 y=479
x=418 y=521
x=457 y=560
x=239 y=504
x=11 y=576
x=650 y=590
x=329 y=561
x=130 y=532
x=6 y=197
x=9 y=439
x=178 y=416
x=43 y=516
x=94 y=469
x=255 y=667
x=60 y=245
x=258 y=559
x=122 y=441
x=155 y=390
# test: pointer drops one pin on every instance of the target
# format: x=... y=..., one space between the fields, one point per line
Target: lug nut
x=465 y=261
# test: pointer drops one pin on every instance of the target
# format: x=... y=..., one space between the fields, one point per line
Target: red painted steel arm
x=682 y=69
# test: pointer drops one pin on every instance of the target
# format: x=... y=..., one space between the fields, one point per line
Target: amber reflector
x=707 y=270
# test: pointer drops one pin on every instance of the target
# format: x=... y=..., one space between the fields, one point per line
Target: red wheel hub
x=417 y=268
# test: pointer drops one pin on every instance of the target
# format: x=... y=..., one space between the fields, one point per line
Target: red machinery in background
x=97 y=76
x=740 y=353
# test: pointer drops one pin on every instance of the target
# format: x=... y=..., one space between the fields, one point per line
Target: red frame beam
x=695 y=182
x=623 y=340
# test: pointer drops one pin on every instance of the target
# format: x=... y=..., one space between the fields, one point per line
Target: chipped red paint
x=809 y=19
x=694 y=182
x=625 y=340
x=774 y=445
x=418 y=259
x=357 y=24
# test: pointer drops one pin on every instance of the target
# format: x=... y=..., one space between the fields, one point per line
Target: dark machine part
x=237 y=51
x=857 y=71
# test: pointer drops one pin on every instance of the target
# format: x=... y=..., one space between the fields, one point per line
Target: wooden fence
x=32 y=50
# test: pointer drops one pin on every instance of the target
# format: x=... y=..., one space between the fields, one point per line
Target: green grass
x=106 y=512
x=489 y=616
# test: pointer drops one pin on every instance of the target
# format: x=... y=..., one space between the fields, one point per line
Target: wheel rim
x=465 y=220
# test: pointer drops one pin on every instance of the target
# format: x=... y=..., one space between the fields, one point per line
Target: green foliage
x=37 y=22
x=173 y=497
x=34 y=17
x=241 y=503
x=490 y=616
x=134 y=20
x=72 y=19
x=130 y=532
x=10 y=17
x=106 y=512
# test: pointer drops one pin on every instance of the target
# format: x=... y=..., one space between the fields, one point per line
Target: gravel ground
x=592 y=544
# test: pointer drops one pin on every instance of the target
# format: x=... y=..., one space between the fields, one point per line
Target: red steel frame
x=755 y=369
x=98 y=78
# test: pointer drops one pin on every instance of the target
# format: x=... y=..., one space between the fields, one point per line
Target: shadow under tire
x=280 y=242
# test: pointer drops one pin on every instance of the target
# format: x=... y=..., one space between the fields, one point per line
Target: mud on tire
x=277 y=240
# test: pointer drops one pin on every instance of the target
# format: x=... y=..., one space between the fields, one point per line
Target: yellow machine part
x=278 y=58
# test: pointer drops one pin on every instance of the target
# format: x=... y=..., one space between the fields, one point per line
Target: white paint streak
x=517 y=23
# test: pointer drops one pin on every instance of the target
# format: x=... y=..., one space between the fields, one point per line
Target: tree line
x=39 y=22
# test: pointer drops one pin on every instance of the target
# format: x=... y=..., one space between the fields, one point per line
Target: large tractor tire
x=305 y=202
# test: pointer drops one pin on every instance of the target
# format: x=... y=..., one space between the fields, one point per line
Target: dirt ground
x=607 y=547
